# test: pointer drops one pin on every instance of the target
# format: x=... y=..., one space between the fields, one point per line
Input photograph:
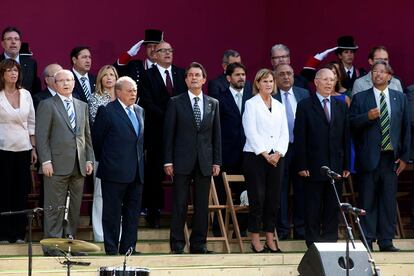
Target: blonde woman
x=104 y=94
x=267 y=139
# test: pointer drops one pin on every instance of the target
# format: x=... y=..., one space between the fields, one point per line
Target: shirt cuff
x=47 y=162
x=168 y=164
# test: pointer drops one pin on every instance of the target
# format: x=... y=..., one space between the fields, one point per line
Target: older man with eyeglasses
x=157 y=85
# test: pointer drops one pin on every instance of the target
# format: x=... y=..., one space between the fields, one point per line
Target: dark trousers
x=199 y=223
x=290 y=175
x=153 y=193
x=121 y=201
x=321 y=216
x=263 y=190
x=15 y=182
x=378 y=197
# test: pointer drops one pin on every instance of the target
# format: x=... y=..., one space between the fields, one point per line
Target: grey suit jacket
x=57 y=141
x=365 y=82
x=184 y=144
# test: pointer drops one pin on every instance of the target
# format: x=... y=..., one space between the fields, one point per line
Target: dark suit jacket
x=154 y=99
x=298 y=92
x=117 y=147
x=220 y=84
x=133 y=69
x=38 y=97
x=78 y=92
x=367 y=133
x=232 y=133
x=319 y=142
x=30 y=81
x=184 y=144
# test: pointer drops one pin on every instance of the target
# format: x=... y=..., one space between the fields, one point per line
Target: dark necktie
x=197 y=112
x=85 y=88
x=290 y=116
x=325 y=108
x=349 y=74
x=385 y=124
x=168 y=83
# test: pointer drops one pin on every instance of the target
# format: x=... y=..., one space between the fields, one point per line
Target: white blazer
x=265 y=130
x=16 y=125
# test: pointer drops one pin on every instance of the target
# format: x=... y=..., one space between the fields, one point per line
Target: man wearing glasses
x=11 y=43
x=280 y=54
x=157 y=86
x=65 y=152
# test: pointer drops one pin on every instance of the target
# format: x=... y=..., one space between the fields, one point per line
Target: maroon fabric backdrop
x=202 y=30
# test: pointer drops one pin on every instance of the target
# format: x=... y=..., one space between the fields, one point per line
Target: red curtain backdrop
x=202 y=30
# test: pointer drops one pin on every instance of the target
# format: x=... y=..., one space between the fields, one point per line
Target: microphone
x=331 y=174
x=353 y=210
x=67 y=208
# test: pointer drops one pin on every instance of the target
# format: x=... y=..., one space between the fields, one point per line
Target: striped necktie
x=385 y=124
x=71 y=113
x=85 y=88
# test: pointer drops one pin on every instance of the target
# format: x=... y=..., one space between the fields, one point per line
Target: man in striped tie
x=381 y=130
x=81 y=59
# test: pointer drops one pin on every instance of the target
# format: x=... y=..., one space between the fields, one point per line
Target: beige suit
x=68 y=150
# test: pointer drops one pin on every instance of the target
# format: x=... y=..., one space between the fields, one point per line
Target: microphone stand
x=377 y=270
x=30 y=213
x=349 y=236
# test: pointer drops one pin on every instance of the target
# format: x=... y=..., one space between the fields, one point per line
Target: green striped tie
x=385 y=124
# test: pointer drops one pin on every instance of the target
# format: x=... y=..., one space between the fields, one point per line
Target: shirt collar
x=17 y=59
x=123 y=105
x=78 y=75
x=378 y=92
x=63 y=98
x=162 y=69
x=192 y=96
x=321 y=98
x=290 y=91
x=53 y=92
x=235 y=92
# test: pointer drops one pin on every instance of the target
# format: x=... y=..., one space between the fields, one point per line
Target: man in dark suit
x=134 y=68
x=192 y=145
x=118 y=140
x=381 y=130
x=156 y=87
x=51 y=86
x=231 y=103
x=81 y=60
x=65 y=151
x=321 y=139
x=11 y=43
x=220 y=83
x=290 y=96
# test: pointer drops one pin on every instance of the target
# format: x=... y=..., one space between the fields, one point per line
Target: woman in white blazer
x=267 y=139
x=17 y=150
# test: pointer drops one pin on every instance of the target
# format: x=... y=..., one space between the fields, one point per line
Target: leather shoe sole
x=390 y=248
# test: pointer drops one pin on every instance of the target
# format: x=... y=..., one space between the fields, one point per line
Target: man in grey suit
x=365 y=82
x=65 y=153
x=192 y=151
x=381 y=130
x=290 y=95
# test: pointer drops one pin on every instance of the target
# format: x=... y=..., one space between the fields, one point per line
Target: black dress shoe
x=177 y=251
x=257 y=251
x=201 y=250
x=270 y=250
x=390 y=248
x=111 y=253
x=79 y=254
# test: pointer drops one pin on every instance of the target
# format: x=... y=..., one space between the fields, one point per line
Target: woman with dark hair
x=104 y=94
x=267 y=138
x=17 y=150
x=340 y=92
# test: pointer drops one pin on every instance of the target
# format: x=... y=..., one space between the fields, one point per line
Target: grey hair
x=279 y=47
x=229 y=53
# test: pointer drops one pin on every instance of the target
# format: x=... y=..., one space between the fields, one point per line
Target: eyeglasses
x=164 y=50
x=64 y=80
x=327 y=79
x=280 y=57
x=379 y=72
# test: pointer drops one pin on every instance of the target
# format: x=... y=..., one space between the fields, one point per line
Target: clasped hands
x=272 y=158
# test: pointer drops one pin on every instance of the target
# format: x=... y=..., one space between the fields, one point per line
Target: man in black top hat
x=346 y=54
x=134 y=68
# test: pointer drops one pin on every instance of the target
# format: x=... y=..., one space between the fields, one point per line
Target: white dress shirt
x=200 y=102
x=163 y=75
x=79 y=76
x=377 y=94
x=265 y=130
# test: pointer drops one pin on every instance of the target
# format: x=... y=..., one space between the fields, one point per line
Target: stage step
x=401 y=263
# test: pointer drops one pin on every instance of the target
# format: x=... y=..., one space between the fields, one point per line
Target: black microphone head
x=325 y=170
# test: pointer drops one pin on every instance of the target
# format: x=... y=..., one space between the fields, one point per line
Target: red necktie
x=168 y=83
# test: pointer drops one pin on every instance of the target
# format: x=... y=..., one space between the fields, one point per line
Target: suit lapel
x=319 y=109
x=140 y=121
x=78 y=114
x=123 y=115
x=228 y=97
x=393 y=106
x=187 y=104
x=62 y=110
x=206 y=110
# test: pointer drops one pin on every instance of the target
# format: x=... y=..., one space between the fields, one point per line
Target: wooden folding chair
x=214 y=208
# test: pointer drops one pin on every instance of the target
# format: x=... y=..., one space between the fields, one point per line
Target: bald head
x=48 y=74
x=325 y=82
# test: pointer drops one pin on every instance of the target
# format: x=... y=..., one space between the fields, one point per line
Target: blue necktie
x=290 y=117
x=133 y=119
x=85 y=88
x=71 y=113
